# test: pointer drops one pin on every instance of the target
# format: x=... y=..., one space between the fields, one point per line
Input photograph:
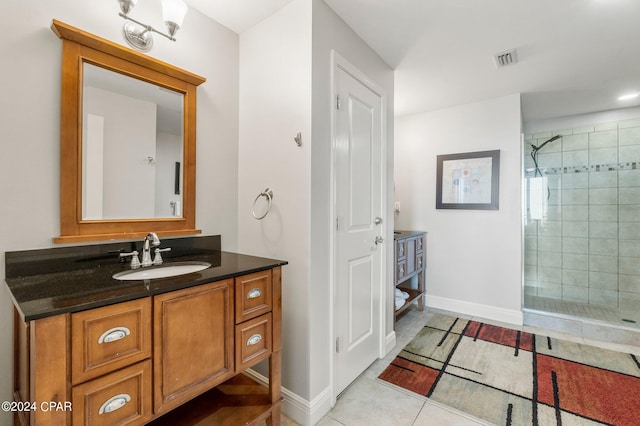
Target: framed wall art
x=469 y=180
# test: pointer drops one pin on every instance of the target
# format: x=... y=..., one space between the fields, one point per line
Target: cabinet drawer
x=253 y=341
x=401 y=249
x=401 y=270
x=419 y=244
x=253 y=295
x=419 y=261
x=120 y=398
x=105 y=339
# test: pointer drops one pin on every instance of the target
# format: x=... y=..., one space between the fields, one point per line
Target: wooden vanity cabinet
x=145 y=361
x=86 y=368
x=410 y=262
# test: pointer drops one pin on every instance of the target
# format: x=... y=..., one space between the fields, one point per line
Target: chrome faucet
x=151 y=240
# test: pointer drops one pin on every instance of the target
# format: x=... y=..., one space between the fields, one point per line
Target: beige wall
x=30 y=115
x=262 y=88
x=275 y=104
x=474 y=257
x=285 y=86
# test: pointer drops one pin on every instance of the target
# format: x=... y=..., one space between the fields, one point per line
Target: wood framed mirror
x=120 y=179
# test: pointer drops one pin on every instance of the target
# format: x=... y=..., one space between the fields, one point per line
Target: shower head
x=538 y=148
x=534 y=155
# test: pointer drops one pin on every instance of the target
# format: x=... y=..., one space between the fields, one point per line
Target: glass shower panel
x=582 y=221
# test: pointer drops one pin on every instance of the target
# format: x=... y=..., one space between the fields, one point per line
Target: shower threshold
x=592 y=331
x=583 y=310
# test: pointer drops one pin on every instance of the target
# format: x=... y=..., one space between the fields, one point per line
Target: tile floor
x=369 y=401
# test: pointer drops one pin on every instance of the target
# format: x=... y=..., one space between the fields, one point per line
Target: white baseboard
x=389 y=342
x=320 y=406
x=475 y=309
x=297 y=408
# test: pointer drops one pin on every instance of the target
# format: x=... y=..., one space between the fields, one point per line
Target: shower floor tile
x=583 y=310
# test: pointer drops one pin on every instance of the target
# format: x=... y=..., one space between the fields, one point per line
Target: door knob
x=377 y=220
x=378 y=240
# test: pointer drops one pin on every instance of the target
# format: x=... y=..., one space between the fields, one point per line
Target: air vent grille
x=503 y=59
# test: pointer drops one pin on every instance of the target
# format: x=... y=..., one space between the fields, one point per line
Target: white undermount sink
x=161 y=271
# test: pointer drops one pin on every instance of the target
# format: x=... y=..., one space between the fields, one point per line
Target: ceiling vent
x=503 y=59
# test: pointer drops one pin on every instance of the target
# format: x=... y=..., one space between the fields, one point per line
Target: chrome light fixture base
x=138 y=36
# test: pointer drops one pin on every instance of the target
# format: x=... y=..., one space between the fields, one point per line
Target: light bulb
x=628 y=96
x=173 y=12
x=127 y=5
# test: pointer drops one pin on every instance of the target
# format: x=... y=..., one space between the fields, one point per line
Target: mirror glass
x=132 y=147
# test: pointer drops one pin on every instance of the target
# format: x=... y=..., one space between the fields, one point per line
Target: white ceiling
x=238 y=15
x=574 y=56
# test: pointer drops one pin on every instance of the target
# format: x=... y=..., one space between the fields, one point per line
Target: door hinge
x=337 y=344
x=338 y=223
x=338 y=102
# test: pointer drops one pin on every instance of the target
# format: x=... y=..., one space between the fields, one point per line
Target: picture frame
x=469 y=180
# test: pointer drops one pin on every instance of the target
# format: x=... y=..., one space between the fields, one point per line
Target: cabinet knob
x=254 y=340
x=254 y=293
x=113 y=334
x=114 y=403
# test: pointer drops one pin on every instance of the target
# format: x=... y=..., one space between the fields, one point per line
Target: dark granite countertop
x=49 y=282
x=398 y=235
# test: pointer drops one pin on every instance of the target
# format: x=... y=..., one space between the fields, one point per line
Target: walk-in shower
x=582 y=222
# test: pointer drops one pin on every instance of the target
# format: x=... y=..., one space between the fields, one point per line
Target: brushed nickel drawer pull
x=114 y=334
x=114 y=403
x=253 y=294
x=254 y=340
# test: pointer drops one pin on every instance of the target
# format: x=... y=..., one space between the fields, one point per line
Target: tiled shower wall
x=586 y=248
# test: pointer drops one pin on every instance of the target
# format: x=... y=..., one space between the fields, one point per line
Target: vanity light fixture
x=138 y=35
x=628 y=96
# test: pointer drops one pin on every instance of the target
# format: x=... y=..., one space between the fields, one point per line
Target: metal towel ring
x=268 y=194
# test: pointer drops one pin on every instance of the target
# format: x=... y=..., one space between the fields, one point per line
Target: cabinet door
x=193 y=335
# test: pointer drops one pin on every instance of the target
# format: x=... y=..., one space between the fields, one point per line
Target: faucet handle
x=135 y=262
x=157 y=260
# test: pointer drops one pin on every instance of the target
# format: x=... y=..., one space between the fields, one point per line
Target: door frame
x=339 y=62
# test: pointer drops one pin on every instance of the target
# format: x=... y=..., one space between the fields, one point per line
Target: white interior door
x=359 y=228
